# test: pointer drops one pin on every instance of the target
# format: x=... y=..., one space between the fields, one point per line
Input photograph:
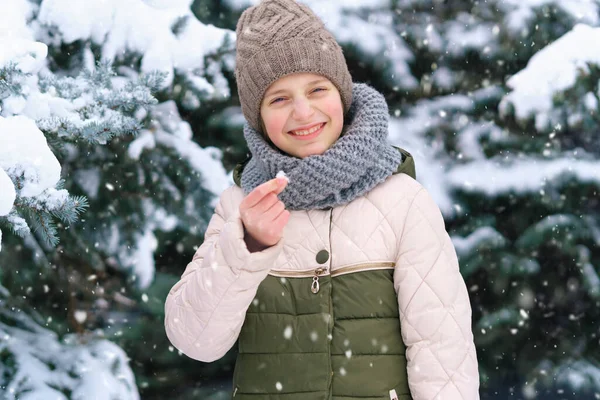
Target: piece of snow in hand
x=282 y=174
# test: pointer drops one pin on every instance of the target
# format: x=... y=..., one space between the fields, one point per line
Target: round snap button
x=322 y=256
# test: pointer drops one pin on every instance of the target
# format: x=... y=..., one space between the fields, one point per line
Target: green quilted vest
x=328 y=337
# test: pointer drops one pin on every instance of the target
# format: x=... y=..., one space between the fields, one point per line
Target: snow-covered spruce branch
x=42 y=210
x=102 y=106
x=93 y=107
x=559 y=86
x=9 y=82
x=32 y=194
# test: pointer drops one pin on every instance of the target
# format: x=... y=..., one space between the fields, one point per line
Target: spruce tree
x=509 y=157
x=503 y=129
x=107 y=101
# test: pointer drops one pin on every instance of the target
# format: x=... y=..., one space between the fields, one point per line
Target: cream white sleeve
x=205 y=310
x=435 y=311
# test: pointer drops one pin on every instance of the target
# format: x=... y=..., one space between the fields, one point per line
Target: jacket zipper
x=315 y=284
x=316 y=273
x=307 y=273
x=325 y=271
x=363 y=267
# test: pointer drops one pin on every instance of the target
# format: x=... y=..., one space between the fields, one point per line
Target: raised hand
x=264 y=216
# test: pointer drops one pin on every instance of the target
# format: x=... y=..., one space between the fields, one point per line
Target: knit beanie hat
x=280 y=37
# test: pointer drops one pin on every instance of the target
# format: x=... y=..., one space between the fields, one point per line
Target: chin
x=312 y=153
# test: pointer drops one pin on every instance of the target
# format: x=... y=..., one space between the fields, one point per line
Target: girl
x=337 y=280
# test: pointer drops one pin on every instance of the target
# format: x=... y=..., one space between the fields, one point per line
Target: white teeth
x=307 y=132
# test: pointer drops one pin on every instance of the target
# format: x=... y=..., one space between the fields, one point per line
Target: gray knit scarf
x=358 y=161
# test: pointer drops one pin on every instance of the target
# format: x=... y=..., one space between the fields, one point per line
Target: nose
x=302 y=109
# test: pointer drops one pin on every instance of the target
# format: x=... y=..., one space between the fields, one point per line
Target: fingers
x=282 y=219
x=273 y=212
x=266 y=210
x=263 y=215
x=266 y=203
x=282 y=184
x=255 y=196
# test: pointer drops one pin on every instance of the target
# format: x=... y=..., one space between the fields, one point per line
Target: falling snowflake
x=80 y=316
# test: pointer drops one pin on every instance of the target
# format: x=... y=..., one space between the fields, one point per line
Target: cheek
x=274 y=123
x=335 y=111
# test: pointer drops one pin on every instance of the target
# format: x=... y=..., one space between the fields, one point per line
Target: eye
x=319 y=89
x=277 y=100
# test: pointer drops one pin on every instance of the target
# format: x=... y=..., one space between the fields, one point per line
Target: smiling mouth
x=308 y=132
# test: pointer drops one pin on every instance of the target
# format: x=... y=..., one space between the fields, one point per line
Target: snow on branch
x=38 y=365
x=168 y=37
x=94 y=107
x=538 y=91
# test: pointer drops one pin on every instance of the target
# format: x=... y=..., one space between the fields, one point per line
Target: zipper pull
x=315 y=284
x=393 y=395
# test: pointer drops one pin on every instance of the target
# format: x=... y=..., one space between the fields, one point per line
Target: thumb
x=281 y=185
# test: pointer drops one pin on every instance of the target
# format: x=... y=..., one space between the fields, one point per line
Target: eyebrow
x=308 y=84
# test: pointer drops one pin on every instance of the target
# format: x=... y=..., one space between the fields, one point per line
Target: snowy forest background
x=120 y=126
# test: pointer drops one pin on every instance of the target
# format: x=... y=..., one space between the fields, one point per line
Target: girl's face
x=302 y=114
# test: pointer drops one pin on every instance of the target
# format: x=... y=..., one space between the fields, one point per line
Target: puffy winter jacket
x=320 y=315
